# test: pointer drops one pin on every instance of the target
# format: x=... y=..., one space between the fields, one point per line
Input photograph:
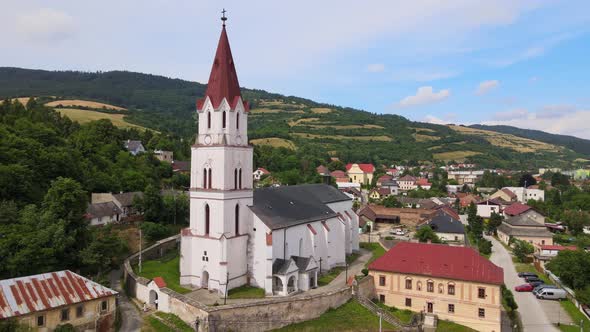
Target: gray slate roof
x=126 y=199
x=523 y=220
x=443 y=223
x=133 y=145
x=521 y=231
x=280 y=207
x=280 y=266
x=98 y=210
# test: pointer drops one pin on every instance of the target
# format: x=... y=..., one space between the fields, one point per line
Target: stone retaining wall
x=254 y=316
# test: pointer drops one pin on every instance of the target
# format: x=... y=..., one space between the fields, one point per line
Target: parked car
x=536 y=283
x=531 y=278
x=399 y=231
x=552 y=294
x=543 y=286
x=527 y=274
x=524 y=288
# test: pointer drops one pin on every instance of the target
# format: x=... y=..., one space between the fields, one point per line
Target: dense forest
x=296 y=124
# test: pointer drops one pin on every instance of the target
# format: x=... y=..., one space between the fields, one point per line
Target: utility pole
x=139 y=250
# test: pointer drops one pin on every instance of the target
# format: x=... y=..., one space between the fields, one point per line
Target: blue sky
x=521 y=63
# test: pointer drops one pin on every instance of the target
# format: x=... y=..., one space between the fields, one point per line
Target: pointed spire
x=223 y=81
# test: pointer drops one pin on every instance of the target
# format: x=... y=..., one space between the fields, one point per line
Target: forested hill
x=577 y=144
x=304 y=126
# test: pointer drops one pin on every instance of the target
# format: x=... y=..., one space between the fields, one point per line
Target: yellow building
x=525 y=228
x=360 y=173
x=44 y=301
x=453 y=283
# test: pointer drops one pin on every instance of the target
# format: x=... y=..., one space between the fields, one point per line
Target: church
x=280 y=238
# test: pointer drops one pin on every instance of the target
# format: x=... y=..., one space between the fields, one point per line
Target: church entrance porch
x=292 y=285
x=154 y=299
x=277 y=285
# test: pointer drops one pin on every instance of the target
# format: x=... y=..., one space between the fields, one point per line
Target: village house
x=407 y=182
x=504 y=194
x=379 y=193
x=487 y=207
x=134 y=147
x=418 y=203
x=323 y=170
x=544 y=253
x=465 y=177
x=525 y=228
x=383 y=178
x=447 y=228
x=275 y=238
x=394 y=172
x=101 y=214
x=519 y=209
x=124 y=201
x=182 y=167
x=162 y=155
x=340 y=176
x=391 y=186
x=44 y=301
x=466 y=199
x=423 y=183
x=259 y=173
x=523 y=195
x=404 y=216
x=360 y=173
x=353 y=193
x=451 y=282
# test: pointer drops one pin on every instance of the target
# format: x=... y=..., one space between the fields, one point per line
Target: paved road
x=130 y=317
x=533 y=316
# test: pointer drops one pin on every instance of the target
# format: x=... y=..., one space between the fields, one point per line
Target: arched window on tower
x=208 y=120
x=204 y=178
x=240 y=178
x=237 y=221
x=236 y=178
x=223 y=120
x=210 y=177
x=237 y=120
x=207 y=218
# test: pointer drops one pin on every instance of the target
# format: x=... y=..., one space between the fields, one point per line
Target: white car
x=399 y=232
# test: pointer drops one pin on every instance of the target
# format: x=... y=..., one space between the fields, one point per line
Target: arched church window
x=223 y=120
x=204 y=178
x=236 y=178
x=210 y=177
x=240 y=178
x=237 y=221
x=207 y=218
x=237 y=120
x=208 y=120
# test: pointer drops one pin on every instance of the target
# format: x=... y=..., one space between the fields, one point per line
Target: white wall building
x=524 y=194
x=273 y=238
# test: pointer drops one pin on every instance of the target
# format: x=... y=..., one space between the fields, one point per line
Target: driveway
x=534 y=318
x=131 y=320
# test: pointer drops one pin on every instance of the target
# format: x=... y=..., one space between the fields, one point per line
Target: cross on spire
x=223 y=18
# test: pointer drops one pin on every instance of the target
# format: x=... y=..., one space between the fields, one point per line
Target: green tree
x=576 y=220
x=526 y=180
x=522 y=250
x=572 y=268
x=391 y=202
x=154 y=231
x=106 y=250
x=494 y=222
x=484 y=246
x=152 y=204
x=425 y=233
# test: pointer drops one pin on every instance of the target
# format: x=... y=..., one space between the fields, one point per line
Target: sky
x=520 y=63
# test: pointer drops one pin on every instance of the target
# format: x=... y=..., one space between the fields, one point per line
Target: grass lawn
x=328 y=277
x=447 y=326
x=404 y=315
x=351 y=316
x=375 y=248
x=245 y=292
x=175 y=321
x=166 y=268
x=154 y=325
x=576 y=316
x=352 y=257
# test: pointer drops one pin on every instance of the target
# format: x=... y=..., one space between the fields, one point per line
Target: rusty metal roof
x=25 y=295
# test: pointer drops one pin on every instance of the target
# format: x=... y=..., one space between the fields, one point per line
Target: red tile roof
x=322 y=170
x=263 y=170
x=557 y=247
x=384 y=178
x=516 y=209
x=41 y=292
x=408 y=178
x=367 y=168
x=423 y=182
x=449 y=211
x=509 y=192
x=160 y=282
x=223 y=80
x=438 y=260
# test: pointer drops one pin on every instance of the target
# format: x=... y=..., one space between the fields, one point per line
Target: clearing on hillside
x=83 y=103
x=515 y=143
x=381 y=138
x=425 y=138
x=455 y=155
x=275 y=142
x=321 y=110
x=84 y=116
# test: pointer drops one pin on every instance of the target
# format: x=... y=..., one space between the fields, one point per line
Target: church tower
x=214 y=249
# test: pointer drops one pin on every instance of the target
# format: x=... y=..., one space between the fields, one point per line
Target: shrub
x=365 y=271
x=484 y=246
x=153 y=231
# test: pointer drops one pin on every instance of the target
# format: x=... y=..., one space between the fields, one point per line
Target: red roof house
x=439 y=260
x=367 y=168
x=516 y=209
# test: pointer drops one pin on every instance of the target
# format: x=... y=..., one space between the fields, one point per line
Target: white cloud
x=518 y=113
x=531 y=52
x=422 y=75
x=533 y=79
x=554 y=111
x=446 y=119
x=487 y=86
x=574 y=123
x=46 y=25
x=424 y=95
x=376 y=68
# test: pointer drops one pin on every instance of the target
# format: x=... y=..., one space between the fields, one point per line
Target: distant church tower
x=214 y=249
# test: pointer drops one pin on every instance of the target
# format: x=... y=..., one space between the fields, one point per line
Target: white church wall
x=261 y=252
